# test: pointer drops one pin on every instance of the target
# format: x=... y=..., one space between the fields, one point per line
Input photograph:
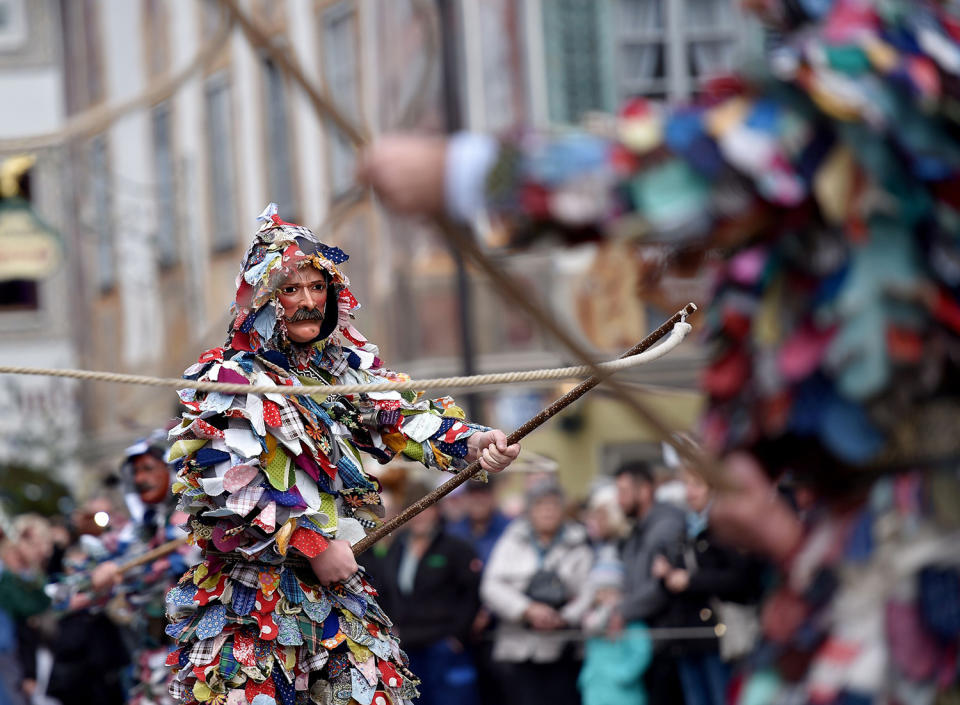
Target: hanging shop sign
x=29 y=249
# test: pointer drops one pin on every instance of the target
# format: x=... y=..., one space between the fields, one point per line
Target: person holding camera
x=535 y=583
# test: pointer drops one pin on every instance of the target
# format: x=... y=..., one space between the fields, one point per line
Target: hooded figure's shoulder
x=232 y=366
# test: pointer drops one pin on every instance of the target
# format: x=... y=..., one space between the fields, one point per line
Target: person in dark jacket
x=483 y=523
x=700 y=575
x=482 y=526
x=657 y=528
x=430 y=584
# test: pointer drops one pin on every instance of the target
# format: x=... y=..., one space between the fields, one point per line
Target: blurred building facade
x=167 y=132
x=39 y=418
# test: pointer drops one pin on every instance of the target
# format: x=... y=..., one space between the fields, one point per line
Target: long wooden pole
x=468 y=472
x=473 y=468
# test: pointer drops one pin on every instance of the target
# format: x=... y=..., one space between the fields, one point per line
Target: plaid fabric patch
x=179 y=691
x=229 y=666
x=186 y=628
x=291 y=425
x=334 y=361
x=354 y=584
x=314 y=662
x=312 y=634
x=290 y=588
x=204 y=650
x=245 y=501
x=246 y=574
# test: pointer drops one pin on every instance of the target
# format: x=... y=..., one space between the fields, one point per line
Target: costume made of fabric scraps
x=270 y=480
x=136 y=606
x=828 y=178
x=141 y=614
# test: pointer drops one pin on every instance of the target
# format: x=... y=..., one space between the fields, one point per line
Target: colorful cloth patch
x=213 y=621
x=308 y=542
x=288 y=631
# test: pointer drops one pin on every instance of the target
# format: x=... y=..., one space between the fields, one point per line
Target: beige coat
x=514 y=560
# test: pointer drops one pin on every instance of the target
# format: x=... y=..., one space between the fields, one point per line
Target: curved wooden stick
x=153 y=554
x=538 y=420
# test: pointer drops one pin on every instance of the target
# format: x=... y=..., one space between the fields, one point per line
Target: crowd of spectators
x=48 y=652
x=622 y=598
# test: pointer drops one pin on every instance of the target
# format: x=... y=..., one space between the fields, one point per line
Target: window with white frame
x=667 y=48
x=220 y=160
x=713 y=30
x=600 y=53
x=13 y=25
x=642 y=43
x=577 y=55
x=165 y=188
x=280 y=187
x=340 y=69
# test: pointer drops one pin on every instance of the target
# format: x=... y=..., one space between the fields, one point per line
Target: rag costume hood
x=154 y=444
x=278 y=250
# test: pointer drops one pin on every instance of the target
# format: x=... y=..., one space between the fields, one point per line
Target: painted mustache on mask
x=306 y=314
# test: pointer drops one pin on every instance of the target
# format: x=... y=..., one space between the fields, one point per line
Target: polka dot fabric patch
x=267 y=624
x=308 y=542
x=271 y=414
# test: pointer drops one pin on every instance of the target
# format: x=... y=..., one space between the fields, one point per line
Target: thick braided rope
x=676 y=336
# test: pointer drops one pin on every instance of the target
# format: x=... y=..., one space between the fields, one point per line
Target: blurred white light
x=101 y=519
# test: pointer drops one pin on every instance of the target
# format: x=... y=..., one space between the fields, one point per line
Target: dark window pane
x=18 y=294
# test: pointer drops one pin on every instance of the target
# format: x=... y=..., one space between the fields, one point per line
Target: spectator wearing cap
x=534 y=583
x=138 y=605
x=429 y=583
x=483 y=523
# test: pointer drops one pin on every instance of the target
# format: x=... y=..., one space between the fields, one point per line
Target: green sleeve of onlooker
x=20 y=598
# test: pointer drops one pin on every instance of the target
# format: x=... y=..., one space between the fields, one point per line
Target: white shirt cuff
x=470 y=157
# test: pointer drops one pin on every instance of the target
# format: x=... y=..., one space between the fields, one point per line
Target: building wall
x=39 y=416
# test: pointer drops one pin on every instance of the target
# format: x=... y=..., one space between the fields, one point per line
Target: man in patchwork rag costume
x=133 y=600
x=278 y=611
x=824 y=179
